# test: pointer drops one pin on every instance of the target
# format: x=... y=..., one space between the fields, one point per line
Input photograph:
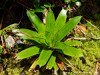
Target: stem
x=90 y=38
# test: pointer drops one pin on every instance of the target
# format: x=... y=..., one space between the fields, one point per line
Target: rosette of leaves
x=49 y=46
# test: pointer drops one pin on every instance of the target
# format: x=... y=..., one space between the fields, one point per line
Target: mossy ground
x=87 y=65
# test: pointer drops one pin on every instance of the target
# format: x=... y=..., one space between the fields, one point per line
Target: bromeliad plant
x=49 y=46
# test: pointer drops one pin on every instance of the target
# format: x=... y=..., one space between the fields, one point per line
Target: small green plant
x=49 y=46
x=11 y=27
x=4 y=34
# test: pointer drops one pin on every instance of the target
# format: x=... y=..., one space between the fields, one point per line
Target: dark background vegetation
x=14 y=11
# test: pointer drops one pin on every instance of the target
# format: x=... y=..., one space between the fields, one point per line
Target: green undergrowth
x=86 y=65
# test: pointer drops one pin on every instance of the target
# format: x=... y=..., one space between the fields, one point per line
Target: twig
x=90 y=38
x=21 y=17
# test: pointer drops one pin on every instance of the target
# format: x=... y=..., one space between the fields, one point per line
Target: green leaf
x=40 y=39
x=51 y=61
x=73 y=42
x=50 y=21
x=32 y=34
x=66 y=28
x=31 y=51
x=68 y=50
x=61 y=19
x=44 y=57
x=23 y=36
x=39 y=9
x=67 y=1
x=29 y=33
x=74 y=0
x=47 y=5
x=37 y=23
x=50 y=24
x=55 y=66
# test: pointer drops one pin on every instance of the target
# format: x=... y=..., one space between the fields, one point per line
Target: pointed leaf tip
x=67 y=28
x=35 y=20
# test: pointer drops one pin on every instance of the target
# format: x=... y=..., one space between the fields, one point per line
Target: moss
x=12 y=71
x=91 y=51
